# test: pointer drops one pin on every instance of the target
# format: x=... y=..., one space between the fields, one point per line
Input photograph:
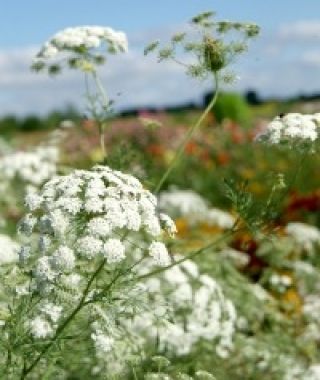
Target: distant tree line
x=232 y=105
x=11 y=123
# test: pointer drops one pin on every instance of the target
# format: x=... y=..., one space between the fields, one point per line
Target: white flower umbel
x=83 y=47
x=313 y=372
x=69 y=234
x=190 y=205
x=160 y=254
x=220 y=218
x=114 y=251
x=32 y=167
x=182 y=203
x=293 y=129
x=103 y=343
x=40 y=328
x=8 y=250
x=306 y=236
x=185 y=308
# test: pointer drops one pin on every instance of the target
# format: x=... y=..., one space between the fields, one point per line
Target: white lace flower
x=182 y=203
x=33 y=168
x=305 y=235
x=158 y=251
x=220 y=218
x=84 y=46
x=44 y=271
x=102 y=342
x=32 y=201
x=190 y=205
x=40 y=328
x=292 y=129
x=114 y=251
x=201 y=311
x=89 y=246
x=69 y=232
x=52 y=311
x=8 y=250
x=63 y=259
x=99 y=227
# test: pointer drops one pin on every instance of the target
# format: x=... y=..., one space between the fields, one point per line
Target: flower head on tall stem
x=84 y=48
x=212 y=50
x=208 y=47
x=81 y=47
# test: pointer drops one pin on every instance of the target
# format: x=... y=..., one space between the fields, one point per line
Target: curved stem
x=105 y=105
x=189 y=134
x=101 y=89
x=26 y=371
x=102 y=142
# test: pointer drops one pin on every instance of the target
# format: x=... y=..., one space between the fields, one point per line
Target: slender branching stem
x=27 y=370
x=105 y=106
x=189 y=135
x=192 y=254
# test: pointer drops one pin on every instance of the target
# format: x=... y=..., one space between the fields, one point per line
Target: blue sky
x=32 y=21
x=285 y=59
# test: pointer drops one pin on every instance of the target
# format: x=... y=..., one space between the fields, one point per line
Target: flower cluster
x=190 y=205
x=195 y=308
x=87 y=215
x=178 y=309
x=306 y=236
x=81 y=46
x=45 y=321
x=293 y=129
x=182 y=203
x=8 y=250
x=32 y=167
x=238 y=258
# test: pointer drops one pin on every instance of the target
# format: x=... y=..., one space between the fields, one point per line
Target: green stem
x=134 y=373
x=26 y=371
x=105 y=105
x=189 y=135
x=101 y=89
x=102 y=141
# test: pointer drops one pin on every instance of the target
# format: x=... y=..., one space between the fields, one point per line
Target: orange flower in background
x=223 y=158
x=205 y=155
x=156 y=150
x=192 y=148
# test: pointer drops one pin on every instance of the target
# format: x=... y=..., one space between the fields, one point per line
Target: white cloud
x=132 y=80
x=304 y=30
x=312 y=58
x=275 y=68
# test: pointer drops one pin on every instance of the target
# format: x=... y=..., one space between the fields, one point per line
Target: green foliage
x=232 y=106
